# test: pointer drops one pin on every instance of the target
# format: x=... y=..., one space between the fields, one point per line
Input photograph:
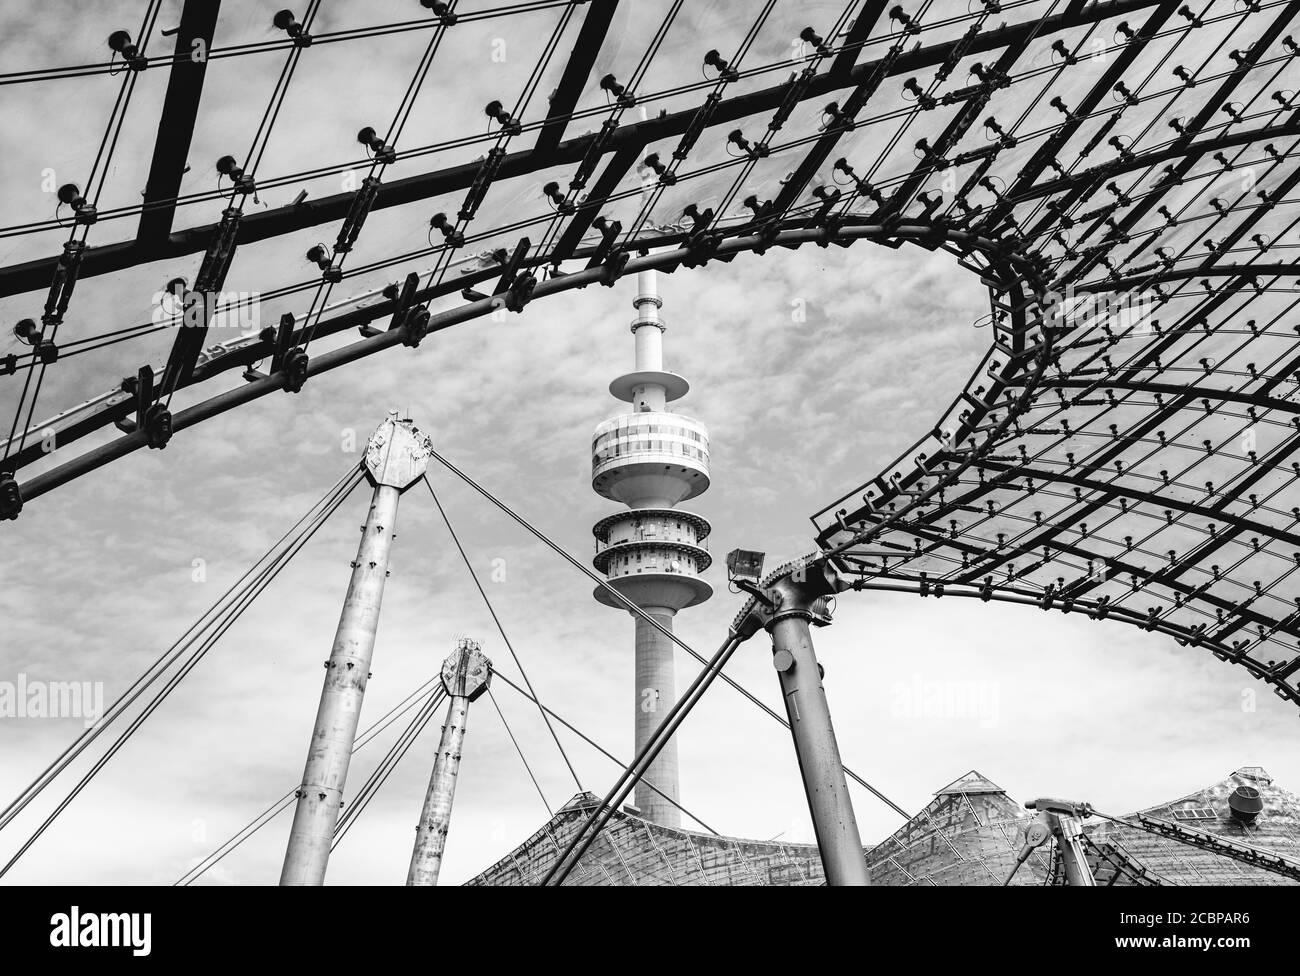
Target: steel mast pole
x=1064 y=818
x=396 y=457
x=465 y=676
x=1068 y=830
x=794 y=601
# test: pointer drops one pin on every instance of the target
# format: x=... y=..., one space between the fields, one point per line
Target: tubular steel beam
x=576 y=69
x=1052 y=536
x=856 y=37
x=1083 y=178
x=786 y=604
x=176 y=124
x=829 y=803
x=276 y=221
x=1069 y=839
x=1107 y=490
x=1094 y=610
x=1246 y=272
x=822 y=148
x=1258 y=399
x=1087 y=105
x=614 y=172
x=354 y=318
x=954 y=131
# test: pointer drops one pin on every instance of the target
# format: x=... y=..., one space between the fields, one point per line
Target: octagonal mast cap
x=467 y=671
x=397 y=453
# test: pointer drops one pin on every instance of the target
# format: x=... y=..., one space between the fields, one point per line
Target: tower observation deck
x=651 y=460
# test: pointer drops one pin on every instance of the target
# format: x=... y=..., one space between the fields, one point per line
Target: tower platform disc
x=675 y=387
x=674 y=591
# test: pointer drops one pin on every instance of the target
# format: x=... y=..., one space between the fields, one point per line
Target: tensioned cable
x=105 y=340
x=379 y=775
x=244 y=833
x=503 y=137
x=675 y=715
x=378 y=167
x=190 y=663
x=615 y=115
x=605 y=752
x=331 y=498
x=651 y=199
x=202 y=196
x=252 y=827
x=522 y=758
x=634 y=609
x=31 y=75
x=531 y=695
x=59 y=296
x=500 y=629
x=760 y=148
x=601 y=815
x=145 y=330
x=232 y=613
x=262 y=137
x=263 y=47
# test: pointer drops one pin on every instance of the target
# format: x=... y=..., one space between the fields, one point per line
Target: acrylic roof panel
x=1121 y=175
x=632 y=852
x=969 y=835
x=1276 y=831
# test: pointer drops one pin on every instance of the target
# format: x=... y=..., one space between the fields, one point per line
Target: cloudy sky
x=99 y=576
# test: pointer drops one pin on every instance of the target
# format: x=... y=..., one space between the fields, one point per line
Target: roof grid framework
x=1121 y=175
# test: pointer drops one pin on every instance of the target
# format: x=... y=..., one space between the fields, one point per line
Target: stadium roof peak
x=971 y=782
x=1257 y=773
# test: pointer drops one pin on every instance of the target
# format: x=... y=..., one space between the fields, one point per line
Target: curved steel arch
x=665 y=257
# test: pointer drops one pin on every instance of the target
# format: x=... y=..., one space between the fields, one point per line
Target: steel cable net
x=246 y=199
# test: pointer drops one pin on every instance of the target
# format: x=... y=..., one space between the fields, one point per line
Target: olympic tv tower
x=651 y=460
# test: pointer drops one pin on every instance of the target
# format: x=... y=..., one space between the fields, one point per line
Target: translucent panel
x=1124 y=186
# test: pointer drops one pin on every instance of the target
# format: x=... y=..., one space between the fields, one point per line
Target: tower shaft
x=651 y=460
x=656 y=693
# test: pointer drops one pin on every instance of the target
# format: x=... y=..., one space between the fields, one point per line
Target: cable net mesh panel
x=969 y=835
x=1276 y=831
x=630 y=852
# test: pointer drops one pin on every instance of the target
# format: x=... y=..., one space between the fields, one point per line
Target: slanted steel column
x=395 y=459
x=465 y=676
x=799 y=599
x=1065 y=820
x=1075 y=862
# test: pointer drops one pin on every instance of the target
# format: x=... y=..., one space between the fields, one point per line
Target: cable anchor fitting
x=284 y=20
x=119 y=43
x=442 y=10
